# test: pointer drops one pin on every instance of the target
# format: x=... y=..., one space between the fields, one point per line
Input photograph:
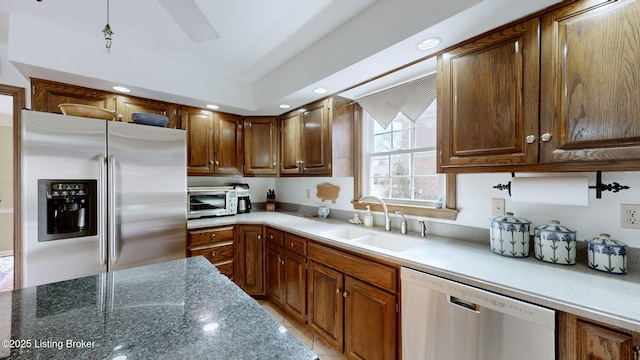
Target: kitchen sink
x=349 y=233
x=373 y=238
x=392 y=243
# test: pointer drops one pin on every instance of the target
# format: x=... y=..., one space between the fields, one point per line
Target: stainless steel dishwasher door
x=445 y=320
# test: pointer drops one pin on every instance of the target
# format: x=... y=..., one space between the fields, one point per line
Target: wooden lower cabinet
x=582 y=339
x=287 y=273
x=251 y=253
x=217 y=244
x=357 y=317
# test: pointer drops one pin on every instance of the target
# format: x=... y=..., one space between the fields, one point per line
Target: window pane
x=380 y=166
x=401 y=187
x=377 y=128
x=380 y=187
x=427 y=188
x=425 y=163
x=382 y=143
x=401 y=164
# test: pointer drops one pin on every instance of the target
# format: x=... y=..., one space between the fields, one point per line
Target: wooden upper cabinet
x=214 y=142
x=127 y=105
x=199 y=126
x=47 y=95
x=261 y=146
x=314 y=137
x=315 y=141
x=290 y=143
x=488 y=99
x=228 y=144
x=590 y=84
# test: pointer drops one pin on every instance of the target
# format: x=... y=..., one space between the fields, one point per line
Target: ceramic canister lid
x=554 y=225
x=605 y=239
x=509 y=218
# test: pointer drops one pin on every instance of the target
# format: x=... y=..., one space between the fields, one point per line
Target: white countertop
x=608 y=298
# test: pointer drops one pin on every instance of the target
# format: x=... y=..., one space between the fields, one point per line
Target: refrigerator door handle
x=102 y=200
x=112 y=211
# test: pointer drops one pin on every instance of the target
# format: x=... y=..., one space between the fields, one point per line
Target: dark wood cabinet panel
x=228 y=144
x=488 y=99
x=261 y=146
x=584 y=339
x=315 y=149
x=127 y=105
x=370 y=322
x=326 y=306
x=250 y=262
x=589 y=96
x=199 y=126
x=47 y=95
x=312 y=138
x=290 y=143
x=275 y=273
x=217 y=245
x=295 y=285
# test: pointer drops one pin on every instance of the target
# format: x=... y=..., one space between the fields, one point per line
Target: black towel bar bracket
x=599 y=186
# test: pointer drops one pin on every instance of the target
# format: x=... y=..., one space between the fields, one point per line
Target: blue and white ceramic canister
x=607 y=254
x=555 y=243
x=510 y=236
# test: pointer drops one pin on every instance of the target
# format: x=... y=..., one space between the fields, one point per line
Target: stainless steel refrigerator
x=99 y=196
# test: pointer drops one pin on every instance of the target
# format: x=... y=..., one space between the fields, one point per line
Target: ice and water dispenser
x=66 y=209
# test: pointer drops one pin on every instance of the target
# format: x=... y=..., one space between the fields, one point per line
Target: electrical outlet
x=308 y=193
x=630 y=216
x=497 y=207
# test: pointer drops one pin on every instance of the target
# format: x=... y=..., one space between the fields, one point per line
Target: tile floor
x=313 y=342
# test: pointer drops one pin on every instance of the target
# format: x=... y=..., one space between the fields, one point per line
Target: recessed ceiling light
x=213 y=107
x=121 y=89
x=320 y=90
x=284 y=106
x=429 y=43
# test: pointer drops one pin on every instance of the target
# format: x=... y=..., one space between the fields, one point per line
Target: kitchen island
x=173 y=310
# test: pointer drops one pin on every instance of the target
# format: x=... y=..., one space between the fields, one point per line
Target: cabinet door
x=295 y=285
x=290 y=143
x=326 y=304
x=275 y=265
x=488 y=100
x=584 y=339
x=261 y=146
x=250 y=274
x=370 y=321
x=199 y=126
x=591 y=83
x=47 y=95
x=228 y=142
x=126 y=106
x=315 y=139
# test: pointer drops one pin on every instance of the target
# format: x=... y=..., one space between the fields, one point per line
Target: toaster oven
x=205 y=201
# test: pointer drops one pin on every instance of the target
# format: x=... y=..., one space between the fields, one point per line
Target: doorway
x=12 y=100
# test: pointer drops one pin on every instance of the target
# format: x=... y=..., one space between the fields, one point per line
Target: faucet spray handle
x=423 y=228
x=403 y=223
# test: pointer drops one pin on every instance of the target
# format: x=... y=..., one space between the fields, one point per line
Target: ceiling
x=268 y=52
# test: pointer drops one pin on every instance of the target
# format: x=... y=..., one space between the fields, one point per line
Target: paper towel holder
x=599 y=186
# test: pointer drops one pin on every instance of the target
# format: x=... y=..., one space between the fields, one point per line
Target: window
x=400 y=160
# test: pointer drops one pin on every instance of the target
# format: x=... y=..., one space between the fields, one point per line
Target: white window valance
x=410 y=99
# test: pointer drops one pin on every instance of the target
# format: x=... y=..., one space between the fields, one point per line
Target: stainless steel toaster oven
x=205 y=201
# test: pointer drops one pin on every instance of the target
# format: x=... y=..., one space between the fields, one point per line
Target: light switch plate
x=630 y=216
x=497 y=207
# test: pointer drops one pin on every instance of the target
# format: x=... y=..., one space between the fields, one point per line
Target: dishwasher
x=445 y=320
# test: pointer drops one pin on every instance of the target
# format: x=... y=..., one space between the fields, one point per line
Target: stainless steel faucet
x=387 y=220
x=403 y=223
x=423 y=228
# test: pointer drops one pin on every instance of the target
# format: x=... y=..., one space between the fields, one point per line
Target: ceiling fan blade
x=189 y=17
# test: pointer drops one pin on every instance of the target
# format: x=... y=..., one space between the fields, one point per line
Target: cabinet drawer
x=226 y=269
x=274 y=236
x=295 y=244
x=201 y=237
x=215 y=254
x=382 y=276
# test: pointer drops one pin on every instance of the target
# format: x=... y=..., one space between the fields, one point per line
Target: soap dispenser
x=368 y=217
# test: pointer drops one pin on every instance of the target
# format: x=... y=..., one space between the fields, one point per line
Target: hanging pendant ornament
x=107 y=37
x=107 y=32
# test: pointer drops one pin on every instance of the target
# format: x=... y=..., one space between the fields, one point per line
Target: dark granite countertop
x=173 y=310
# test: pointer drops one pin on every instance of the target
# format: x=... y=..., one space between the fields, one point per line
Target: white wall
x=474 y=193
x=9 y=75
